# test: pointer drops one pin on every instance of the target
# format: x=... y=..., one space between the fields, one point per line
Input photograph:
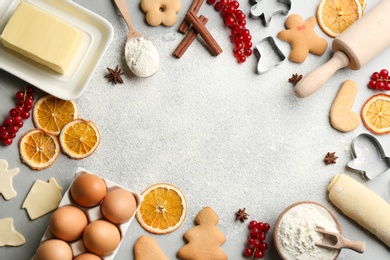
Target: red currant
x=7 y=141
x=259 y=254
x=248 y=252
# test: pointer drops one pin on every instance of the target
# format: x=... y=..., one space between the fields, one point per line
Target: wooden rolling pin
x=353 y=48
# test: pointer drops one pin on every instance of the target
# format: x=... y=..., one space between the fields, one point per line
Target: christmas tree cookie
x=205 y=239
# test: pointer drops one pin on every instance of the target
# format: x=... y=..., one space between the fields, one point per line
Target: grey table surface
x=228 y=137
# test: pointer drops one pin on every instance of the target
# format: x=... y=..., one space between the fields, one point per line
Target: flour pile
x=141 y=57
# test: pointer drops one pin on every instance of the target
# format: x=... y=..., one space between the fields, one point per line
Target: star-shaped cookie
x=6 y=187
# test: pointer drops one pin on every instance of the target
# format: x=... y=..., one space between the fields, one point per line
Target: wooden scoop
x=141 y=55
x=355 y=47
x=333 y=240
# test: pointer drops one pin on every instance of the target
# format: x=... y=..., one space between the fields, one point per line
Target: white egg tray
x=93 y=214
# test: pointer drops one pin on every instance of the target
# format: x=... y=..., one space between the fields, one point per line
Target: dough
x=42 y=198
x=6 y=188
x=341 y=117
x=8 y=235
x=362 y=205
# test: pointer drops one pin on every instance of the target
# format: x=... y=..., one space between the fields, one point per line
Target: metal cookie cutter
x=269 y=55
x=265 y=9
x=372 y=160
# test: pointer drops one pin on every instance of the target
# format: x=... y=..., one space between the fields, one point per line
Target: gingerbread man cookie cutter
x=265 y=10
x=269 y=55
x=372 y=160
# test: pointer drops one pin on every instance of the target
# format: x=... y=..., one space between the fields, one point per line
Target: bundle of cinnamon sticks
x=192 y=25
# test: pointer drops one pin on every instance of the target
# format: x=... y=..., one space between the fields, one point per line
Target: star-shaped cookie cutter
x=265 y=10
x=370 y=163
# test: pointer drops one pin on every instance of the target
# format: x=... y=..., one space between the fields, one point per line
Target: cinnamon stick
x=185 y=25
x=188 y=39
x=204 y=33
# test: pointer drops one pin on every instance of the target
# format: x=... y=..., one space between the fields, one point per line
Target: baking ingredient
x=142 y=57
x=297 y=235
x=53 y=249
x=101 y=237
x=361 y=204
x=235 y=20
x=241 y=215
x=375 y=114
x=38 y=149
x=188 y=38
x=118 y=206
x=8 y=235
x=79 y=138
x=52 y=114
x=257 y=246
x=68 y=223
x=87 y=256
x=162 y=209
x=205 y=239
x=341 y=116
x=42 y=198
x=295 y=78
x=334 y=16
x=88 y=190
x=146 y=248
x=330 y=158
x=195 y=7
x=6 y=175
x=14 y=122
x=114 y=75
x=380 y=80
x=42 y=38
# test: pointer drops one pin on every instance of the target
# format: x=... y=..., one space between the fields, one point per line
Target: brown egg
x=101 y=237
x=88 y=190
x=68 y=223
x=87 y=256
x=118 y=206
x=54 y=249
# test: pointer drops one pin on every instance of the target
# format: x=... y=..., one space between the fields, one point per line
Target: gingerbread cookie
x=341 y=117
x=147 y=248
x=302 y=38
x=161 y=11
x=205 y=239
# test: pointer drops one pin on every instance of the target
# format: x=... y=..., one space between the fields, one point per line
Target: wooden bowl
x=277 y=224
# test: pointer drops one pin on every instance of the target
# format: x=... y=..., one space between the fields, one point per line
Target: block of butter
x=41 y=37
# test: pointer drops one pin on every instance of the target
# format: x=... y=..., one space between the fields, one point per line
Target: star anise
x=114 y=75
x=330 y=158
x=241 y=215
x=295 y=79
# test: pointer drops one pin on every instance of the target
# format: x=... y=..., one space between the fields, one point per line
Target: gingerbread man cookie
x=161 y=11
x=302 y=38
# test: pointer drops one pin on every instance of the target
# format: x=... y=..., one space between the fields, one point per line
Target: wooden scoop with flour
x=353 y=48
x=140 y=53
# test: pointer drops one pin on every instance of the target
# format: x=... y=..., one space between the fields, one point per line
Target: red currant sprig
x=235 y=19
x=14 y=122
x=257 y=246
x=380 y=80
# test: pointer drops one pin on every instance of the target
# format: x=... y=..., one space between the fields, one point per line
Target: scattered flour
x=142 y=57
x=297 y=235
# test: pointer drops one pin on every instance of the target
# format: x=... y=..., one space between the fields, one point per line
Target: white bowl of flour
x=295 y=232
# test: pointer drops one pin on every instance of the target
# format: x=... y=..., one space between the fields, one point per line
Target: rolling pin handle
x=317 y=78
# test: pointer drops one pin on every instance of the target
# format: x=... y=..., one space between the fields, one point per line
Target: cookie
x=302 y=38
x=147 y=248
x=341 y=117
x=205 y=239
x=6 y=176
x=161 y=11
x=8 y=235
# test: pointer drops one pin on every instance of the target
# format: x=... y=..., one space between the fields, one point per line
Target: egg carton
x=93 y=214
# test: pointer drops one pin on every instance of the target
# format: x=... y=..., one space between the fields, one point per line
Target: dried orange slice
x=334 y=16
x=162 y=209
x=38 y=149
x=375 y=114
x=51 y=113
x=79 y=138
